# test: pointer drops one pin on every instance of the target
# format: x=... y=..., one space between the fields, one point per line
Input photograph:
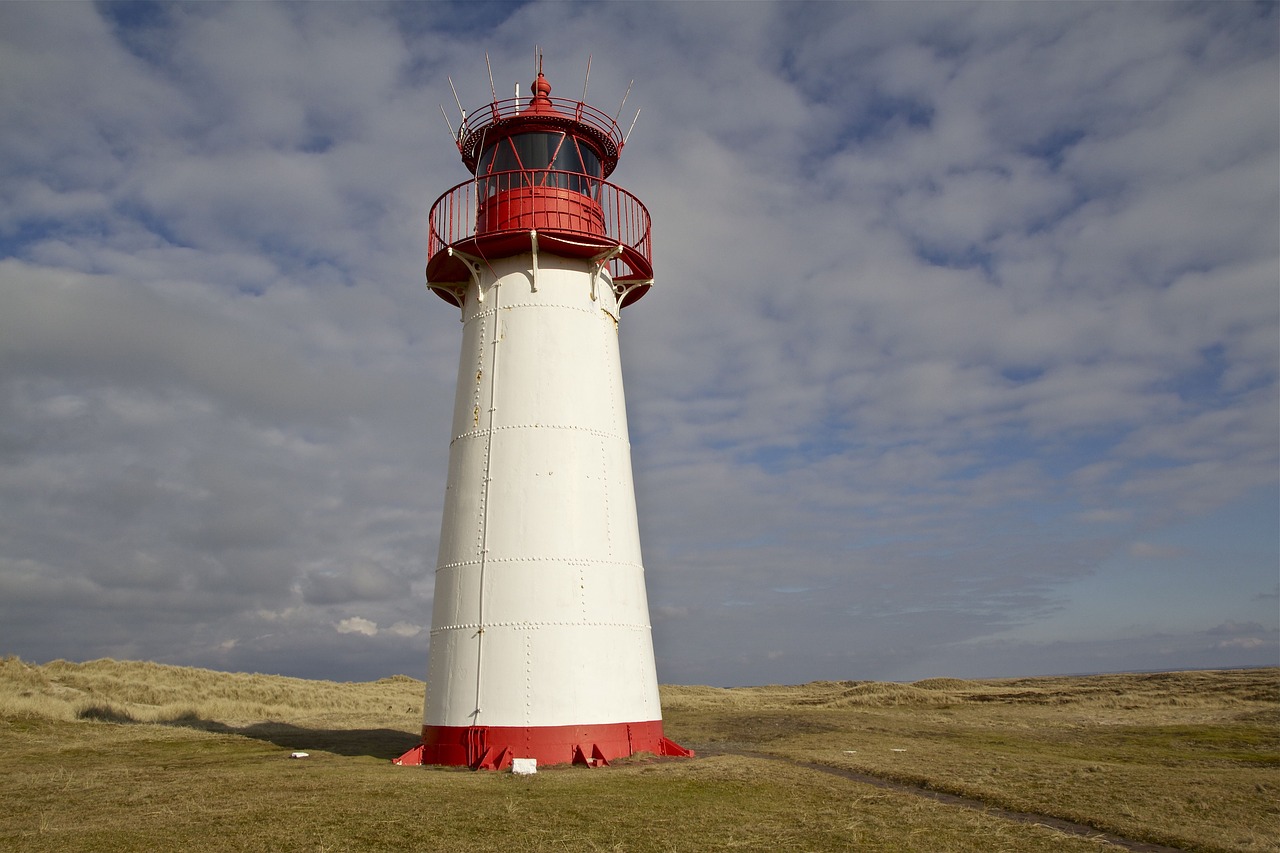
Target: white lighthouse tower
x=540 y=636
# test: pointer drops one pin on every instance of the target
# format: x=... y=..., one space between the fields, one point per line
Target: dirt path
x=1066 y=826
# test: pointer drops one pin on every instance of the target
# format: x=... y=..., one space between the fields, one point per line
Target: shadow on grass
x=374 y=743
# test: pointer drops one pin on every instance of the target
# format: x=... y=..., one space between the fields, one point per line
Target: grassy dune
x=111 y=755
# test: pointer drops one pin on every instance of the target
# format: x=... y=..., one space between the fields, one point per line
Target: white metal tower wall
x=540 y=616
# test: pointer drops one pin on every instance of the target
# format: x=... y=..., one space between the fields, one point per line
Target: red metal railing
x=562 y=203
x=475 y=125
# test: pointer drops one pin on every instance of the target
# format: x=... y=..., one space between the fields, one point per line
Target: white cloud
x=1248 y=643
x=357 y=625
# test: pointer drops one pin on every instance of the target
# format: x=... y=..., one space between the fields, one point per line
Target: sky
x=961 y=359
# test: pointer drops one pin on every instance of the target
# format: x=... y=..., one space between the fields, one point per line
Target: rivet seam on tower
x=568 y=561
x=599 y=433
x=476 y=626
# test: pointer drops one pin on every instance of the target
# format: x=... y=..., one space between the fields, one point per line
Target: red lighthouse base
x=493 y=747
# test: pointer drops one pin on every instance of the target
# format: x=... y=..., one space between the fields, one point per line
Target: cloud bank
x=962 y=358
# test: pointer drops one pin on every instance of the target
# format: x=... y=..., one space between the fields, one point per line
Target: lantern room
x=539 y=184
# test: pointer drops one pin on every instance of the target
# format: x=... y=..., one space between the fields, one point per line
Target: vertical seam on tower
x=604 y=442
x=475 y=423
x=604 y=467
x=484 y=493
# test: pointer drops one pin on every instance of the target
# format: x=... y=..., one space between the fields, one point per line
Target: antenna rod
x=585 y=79
x=492 y=91
x=449 y=123
x=624 y=101
x=633 y=127
x=456 y=101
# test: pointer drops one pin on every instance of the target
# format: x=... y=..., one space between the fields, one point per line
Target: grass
x=108 y=756
x=1190 y=760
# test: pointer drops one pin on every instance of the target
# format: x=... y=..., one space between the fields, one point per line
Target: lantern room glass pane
x=567 y=158
x=590 y=162
x=500 y=157
x=543 y=158
x=540 y=151
x=536 y=150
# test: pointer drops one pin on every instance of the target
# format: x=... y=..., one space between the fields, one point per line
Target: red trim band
x=493 y=747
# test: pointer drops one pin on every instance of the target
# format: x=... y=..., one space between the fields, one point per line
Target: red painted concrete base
x=493 y=747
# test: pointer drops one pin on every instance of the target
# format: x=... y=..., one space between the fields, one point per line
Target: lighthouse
x=541 y=645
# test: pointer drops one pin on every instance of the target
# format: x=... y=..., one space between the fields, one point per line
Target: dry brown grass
x=136 y=691
x=1188 y=759
x=131 y=756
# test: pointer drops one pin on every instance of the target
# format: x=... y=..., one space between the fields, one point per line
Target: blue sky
x=962 y=358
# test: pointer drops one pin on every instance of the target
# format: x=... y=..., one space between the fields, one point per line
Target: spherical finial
x=541 y=88
x=540 y=103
